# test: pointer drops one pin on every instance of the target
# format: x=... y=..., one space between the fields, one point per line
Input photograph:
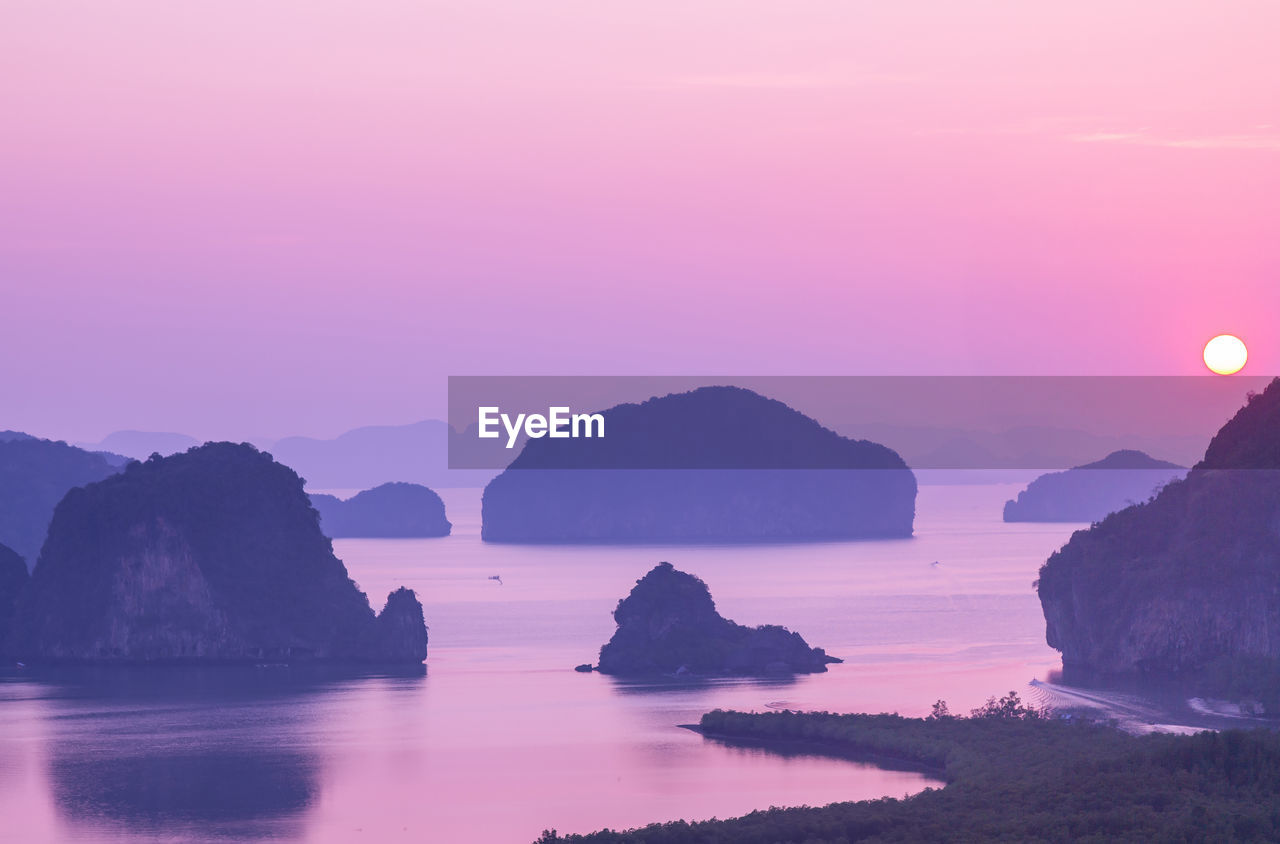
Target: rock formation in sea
x=1089 y=492
x=13 y=580
x=390 y=510
x=400 y=631
x=668 y=625
x=215 y=555
x=718 y=464
x=34 y=475
x=1174 y=586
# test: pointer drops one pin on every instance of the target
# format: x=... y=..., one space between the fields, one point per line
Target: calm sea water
x=498 y=738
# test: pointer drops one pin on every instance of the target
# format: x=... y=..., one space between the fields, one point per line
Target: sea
x=498 y=738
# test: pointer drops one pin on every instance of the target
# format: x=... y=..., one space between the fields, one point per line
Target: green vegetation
x=1013 y=774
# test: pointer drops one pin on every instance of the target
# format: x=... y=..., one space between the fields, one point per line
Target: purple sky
x=243 y=219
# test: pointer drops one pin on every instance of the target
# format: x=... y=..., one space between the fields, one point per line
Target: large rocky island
x=211 y=555
x=1188 y=584
x=718 y=464
x=668 y=625
x=387 y=511
x=1089 y=492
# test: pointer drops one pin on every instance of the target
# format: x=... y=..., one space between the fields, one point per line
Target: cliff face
x=13 y=580
x=389 y=510
x=215 y=554
x=1193 y=576
x=669 y=625
x=1089 y=492
x=713 y=465
x=34 y=475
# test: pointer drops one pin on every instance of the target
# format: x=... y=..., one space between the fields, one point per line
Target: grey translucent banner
x=932 y=422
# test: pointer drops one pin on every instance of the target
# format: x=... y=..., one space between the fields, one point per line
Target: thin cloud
x=784 y=81
x=1246 y=141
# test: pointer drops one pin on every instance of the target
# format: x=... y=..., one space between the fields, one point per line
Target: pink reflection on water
x=500 y=738
x=499 y=757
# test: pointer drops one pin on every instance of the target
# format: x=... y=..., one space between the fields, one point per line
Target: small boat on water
x=496 y=577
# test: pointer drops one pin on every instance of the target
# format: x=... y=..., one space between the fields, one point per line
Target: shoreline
x=811 y=747
x=1136 y=713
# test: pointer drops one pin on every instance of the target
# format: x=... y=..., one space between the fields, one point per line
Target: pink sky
x=245 y=218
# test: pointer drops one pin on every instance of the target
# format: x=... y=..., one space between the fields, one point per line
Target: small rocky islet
x=391 y=510
x=668 y=626
x=1088 y=493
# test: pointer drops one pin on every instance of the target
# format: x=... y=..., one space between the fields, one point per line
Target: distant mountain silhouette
x=1036 y=447
x=1089 y=492
x=214 y=554
x=1188 y=582
x=9 y=436
x=139 y=445
x=367 y=457
x=389 y=510
x=712 y=465
x=668 y=625
x=34 y=475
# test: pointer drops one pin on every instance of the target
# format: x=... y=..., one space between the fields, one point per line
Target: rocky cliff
x=1089 y=492
x=389 y=510
x=214 y=554
x=13 y=580
x=1173 y=586
x=668 y=625
x=713 y=465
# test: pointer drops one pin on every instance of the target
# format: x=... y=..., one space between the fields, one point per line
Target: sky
x=254 y=219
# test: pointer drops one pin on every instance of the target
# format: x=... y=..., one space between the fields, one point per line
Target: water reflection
x=146 y=684
x=639 y=686
x=215 y=751
x=799 y=750
x=156 y=790
x=504 y=739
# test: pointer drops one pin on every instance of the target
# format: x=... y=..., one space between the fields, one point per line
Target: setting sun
x=1225 y=354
